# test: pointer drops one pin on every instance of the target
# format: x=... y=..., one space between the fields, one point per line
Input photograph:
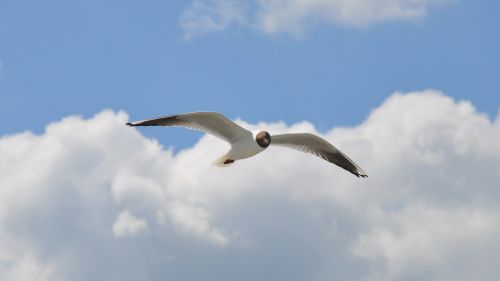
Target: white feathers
x=245 y=144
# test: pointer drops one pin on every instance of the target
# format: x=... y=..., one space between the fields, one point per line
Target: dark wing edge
x=310 y=143
x=170 y=120
x=209 y=122
x=341 y=160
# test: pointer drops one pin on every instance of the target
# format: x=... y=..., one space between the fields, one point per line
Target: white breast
x=244 y=148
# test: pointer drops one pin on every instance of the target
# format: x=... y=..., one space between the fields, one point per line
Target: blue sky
x=88 y=198
x=80 y=57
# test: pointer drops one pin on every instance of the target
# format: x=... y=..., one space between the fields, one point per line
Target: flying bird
x=245 y=144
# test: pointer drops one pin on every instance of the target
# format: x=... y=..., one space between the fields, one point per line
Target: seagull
x=245 y=143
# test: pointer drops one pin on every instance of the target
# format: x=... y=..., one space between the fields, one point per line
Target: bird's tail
x=223 y=161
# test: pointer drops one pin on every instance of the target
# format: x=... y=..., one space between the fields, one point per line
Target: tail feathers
x=223 y=161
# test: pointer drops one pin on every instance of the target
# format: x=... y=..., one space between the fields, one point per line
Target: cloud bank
x=91 y=199
x=294 y=16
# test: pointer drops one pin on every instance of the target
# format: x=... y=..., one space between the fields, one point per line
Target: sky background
x=79 y=57
x=409 y=89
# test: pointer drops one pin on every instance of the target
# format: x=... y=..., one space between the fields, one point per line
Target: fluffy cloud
x=272 y=16
x=94 y=199
x=202 y=17
x=128 y=225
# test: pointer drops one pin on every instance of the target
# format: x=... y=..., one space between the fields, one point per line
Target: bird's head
x=263 y=139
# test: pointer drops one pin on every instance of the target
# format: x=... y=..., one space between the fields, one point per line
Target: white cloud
x=128 y=225
x=429 y=242
x=294 y=16
x=195 y=220
x=26 y=269
x=204 y=17
x=428 y=211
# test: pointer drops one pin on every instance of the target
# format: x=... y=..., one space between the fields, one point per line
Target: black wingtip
x=363 y=175
x=359 y=175
x=129 y=124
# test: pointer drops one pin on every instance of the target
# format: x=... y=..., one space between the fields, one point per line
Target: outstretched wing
x=213 y=123
x=315 y=145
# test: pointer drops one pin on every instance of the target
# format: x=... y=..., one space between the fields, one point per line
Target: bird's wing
x=313 y=144
x=210 y=122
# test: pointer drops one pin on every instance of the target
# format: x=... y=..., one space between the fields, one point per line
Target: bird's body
x=244 y=148
x=240 y=149
x=245 y=144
